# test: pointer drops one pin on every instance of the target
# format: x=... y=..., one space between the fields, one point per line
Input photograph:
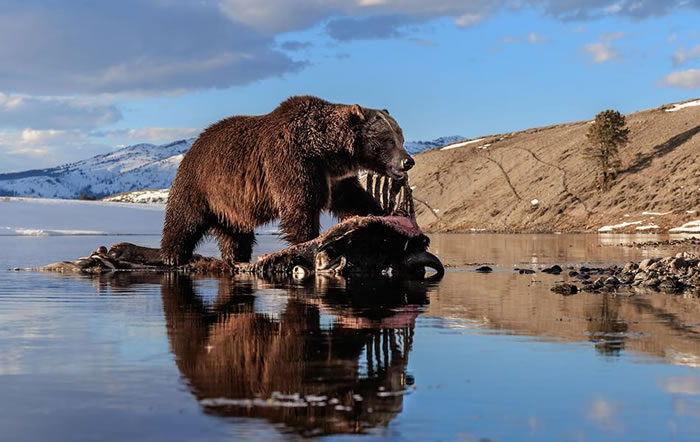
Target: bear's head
x=379 y=143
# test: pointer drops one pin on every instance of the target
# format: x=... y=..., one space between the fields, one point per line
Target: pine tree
x=606 y=136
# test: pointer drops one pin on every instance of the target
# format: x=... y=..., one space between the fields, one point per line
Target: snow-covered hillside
x=138 y=167
x=142 y=166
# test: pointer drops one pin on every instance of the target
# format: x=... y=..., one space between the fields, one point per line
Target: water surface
x=476 y=356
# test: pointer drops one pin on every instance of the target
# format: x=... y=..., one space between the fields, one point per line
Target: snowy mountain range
x=137 y=167
x=414 y=147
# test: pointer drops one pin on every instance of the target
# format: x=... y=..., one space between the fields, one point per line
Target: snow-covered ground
x=677 y=107
x=618 y=226
x=690 y=227
x=41 y=216
x=155 y=196
x=461 y=144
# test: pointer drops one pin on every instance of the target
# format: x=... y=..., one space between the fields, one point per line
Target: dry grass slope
x=491 y=184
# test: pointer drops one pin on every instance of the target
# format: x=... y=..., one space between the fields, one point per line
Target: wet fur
x=290 y=165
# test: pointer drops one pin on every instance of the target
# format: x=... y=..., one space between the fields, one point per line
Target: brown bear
x=290 y=164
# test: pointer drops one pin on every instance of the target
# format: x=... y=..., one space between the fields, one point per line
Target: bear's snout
x=407 y=163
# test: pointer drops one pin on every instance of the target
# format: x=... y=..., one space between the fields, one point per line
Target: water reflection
x=654 y=324
x=333 y=360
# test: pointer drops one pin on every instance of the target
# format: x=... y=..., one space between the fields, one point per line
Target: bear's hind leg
x=235 y=245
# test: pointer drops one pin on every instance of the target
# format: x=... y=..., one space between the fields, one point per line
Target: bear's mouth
x=394 y=173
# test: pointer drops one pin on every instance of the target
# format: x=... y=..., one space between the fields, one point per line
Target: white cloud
x=534 y=38
x=682 y=56
x=468 y=20
x=600 y=52
x=688 y=79
x=613 y=9
x=48 y=112
x=67 y=48
x=150 y=134
x=611 y=36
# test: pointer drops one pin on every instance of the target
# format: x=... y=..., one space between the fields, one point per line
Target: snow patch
x=677 y=107
x=484 y=147
x=156 y=196
x=618 y=226
x=535 y=202
x=647 y=227
x=657 y=213
x=462 y=144
x=690 y=227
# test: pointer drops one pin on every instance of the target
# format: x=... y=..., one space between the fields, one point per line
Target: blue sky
x=80 y=78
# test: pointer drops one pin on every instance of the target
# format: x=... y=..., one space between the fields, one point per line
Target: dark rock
x=484 y=269
x=527 y=272
x=554 y=270
x=647 y=262
x=678 y=264
x=565 y=289
x=652 y=282
x=671 y=285
x=630 y=267
x=612 y=281
x=573 y=273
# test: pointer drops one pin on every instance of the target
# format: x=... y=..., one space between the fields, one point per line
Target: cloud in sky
x=20 y=111
x=274 y=16
x=152 y=133
x=682 y=56
x=532 y=38
x=129 y=46
x=600 y=52
x=688 y=79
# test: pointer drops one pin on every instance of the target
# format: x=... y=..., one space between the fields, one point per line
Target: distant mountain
x=414 y=147
x=137 y=167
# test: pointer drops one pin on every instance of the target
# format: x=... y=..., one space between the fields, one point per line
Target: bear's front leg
x=349 y=198
x=301 y=225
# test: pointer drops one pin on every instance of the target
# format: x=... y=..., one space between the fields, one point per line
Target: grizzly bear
x=291 y=164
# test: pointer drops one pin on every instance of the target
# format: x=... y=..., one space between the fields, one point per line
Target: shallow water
x=475 y=356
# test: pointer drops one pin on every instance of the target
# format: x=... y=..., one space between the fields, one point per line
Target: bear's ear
x=356 y=113
x=386 y=111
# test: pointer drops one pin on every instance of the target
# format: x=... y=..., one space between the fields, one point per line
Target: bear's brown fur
x=290 y=164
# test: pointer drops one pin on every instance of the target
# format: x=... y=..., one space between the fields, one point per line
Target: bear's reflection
x=331 y=359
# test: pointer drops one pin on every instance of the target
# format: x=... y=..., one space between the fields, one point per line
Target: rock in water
x=554 y=270
x=565 y=289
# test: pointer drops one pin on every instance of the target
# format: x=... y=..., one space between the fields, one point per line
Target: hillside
x=537 y=180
